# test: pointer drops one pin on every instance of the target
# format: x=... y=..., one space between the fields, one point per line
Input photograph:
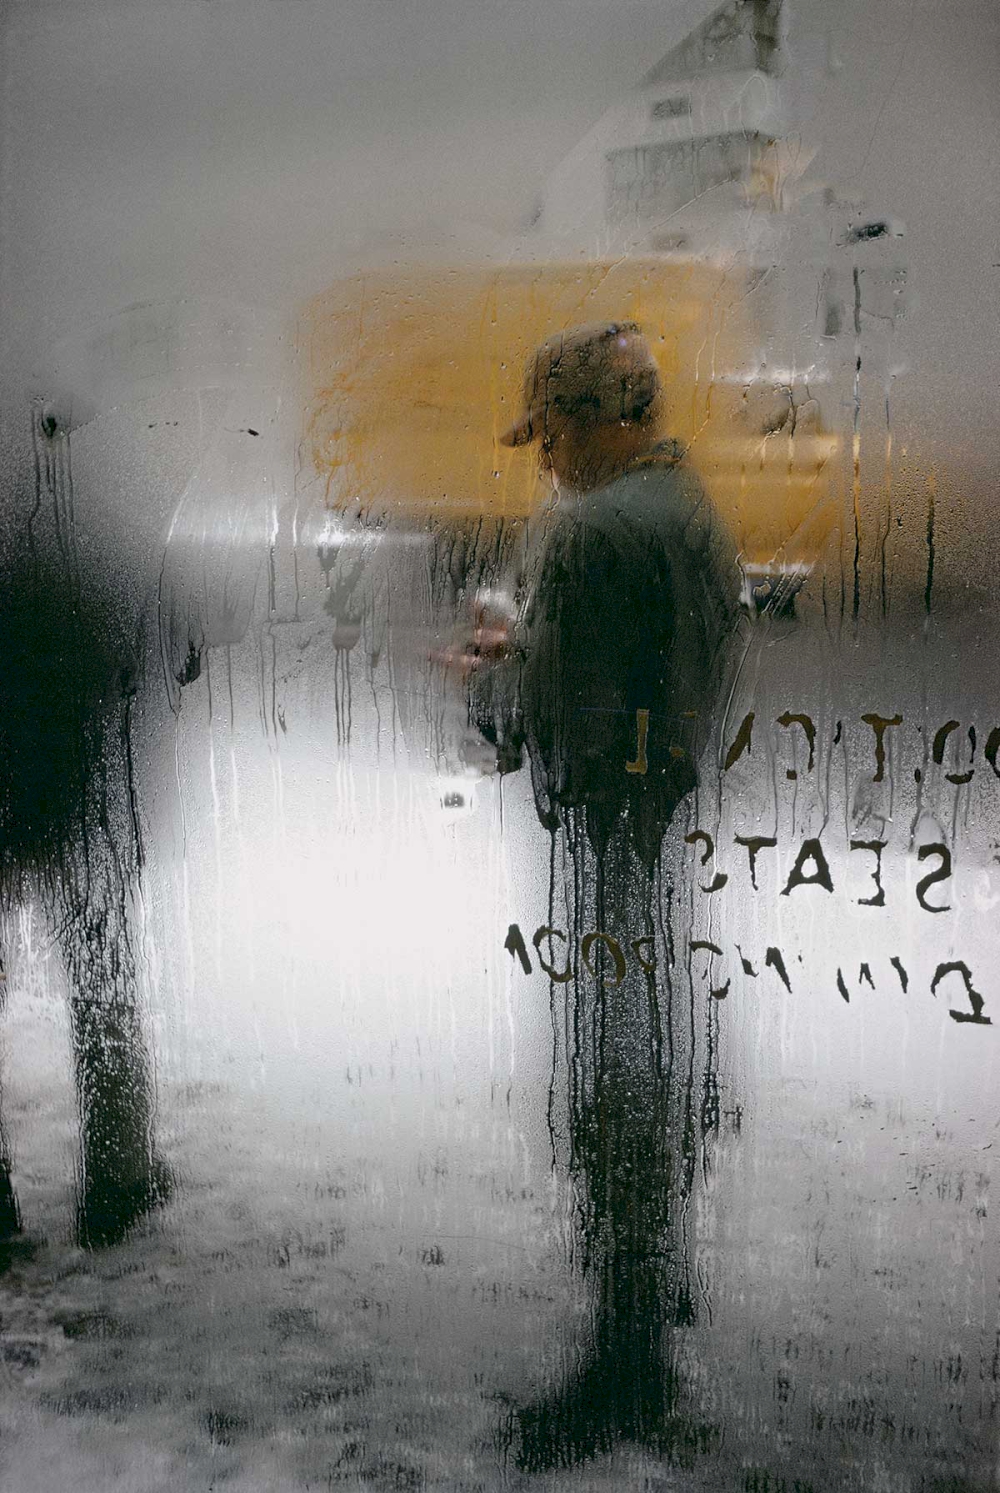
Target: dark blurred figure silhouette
x=69 y=829
x=612 y=680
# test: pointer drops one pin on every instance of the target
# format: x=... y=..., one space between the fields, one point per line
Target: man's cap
x=594 y=375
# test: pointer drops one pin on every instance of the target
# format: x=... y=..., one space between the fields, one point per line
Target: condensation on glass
x=499 y=746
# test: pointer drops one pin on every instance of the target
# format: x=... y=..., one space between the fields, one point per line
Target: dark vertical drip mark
x=69 y=510
x=652 y=996
x=10 y=1213
x=348 y=695
x=229 y=685
x=856 y=452
x=338 y=704
x=36 y=439
x=208 y=697
x=556 y=997
x=665 y=910
x=710 y=1082
x=883 y=572
x=295 y=565
x=274 y=683
x=684 y=1310
x=929 y=586
x=133 y=800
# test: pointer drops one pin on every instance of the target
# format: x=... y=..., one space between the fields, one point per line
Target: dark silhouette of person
x=611 y=680
x=69 y=830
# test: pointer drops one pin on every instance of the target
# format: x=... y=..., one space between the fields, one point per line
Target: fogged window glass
x=499 y=746
x=656 y=179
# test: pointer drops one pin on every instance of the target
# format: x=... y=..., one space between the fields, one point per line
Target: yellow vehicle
x=412 y=376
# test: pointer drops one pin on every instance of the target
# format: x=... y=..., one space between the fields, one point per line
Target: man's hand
x=492 y=635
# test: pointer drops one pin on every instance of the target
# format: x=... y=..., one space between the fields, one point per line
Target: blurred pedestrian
x=612 y=680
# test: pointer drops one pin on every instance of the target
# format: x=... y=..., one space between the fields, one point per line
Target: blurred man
x=612 y=682
x=633 y=593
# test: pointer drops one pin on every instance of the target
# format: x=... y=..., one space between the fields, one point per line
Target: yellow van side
x=411 y=377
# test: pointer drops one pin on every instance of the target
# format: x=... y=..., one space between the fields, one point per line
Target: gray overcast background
x=254 y=150
x=249 y=149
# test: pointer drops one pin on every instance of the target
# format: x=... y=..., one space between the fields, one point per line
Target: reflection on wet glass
x=498 y=748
